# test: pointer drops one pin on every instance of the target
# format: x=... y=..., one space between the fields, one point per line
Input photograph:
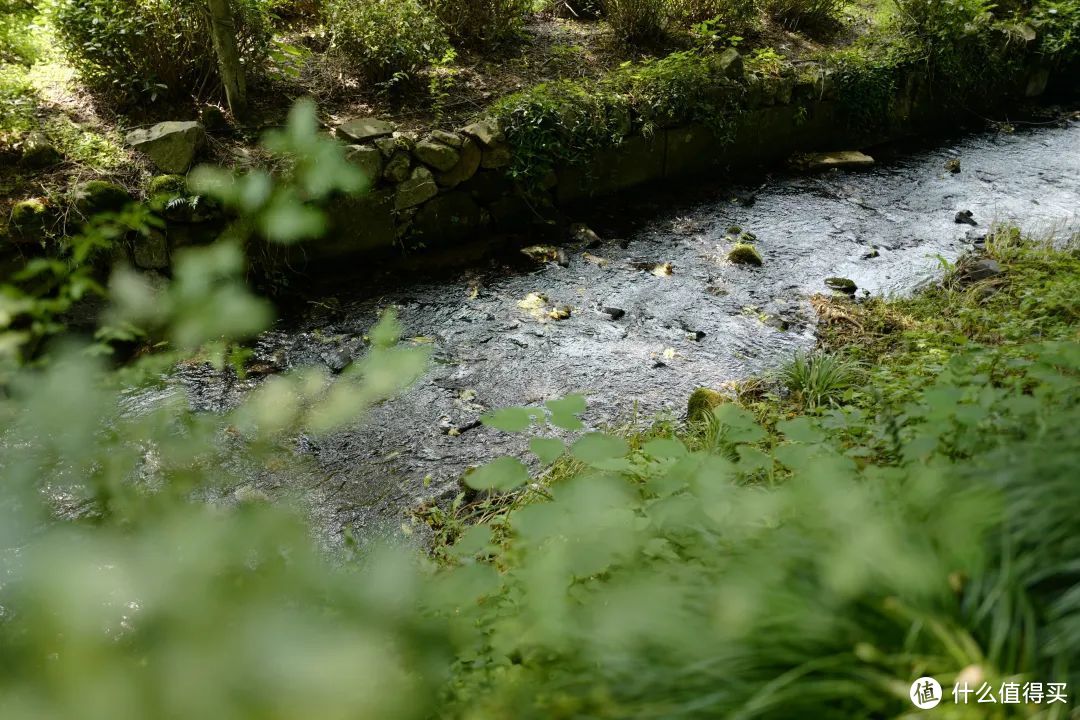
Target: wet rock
x=561 y=258
x=368 y=159
x=448 y=217
x=844 y=159
x=94 y=196
x=419 y=188
x=871 y=255
x=365 y=129
x=701 y=404
x=952 y=165
x=436 y=155
x=734 y=230
x=560 y=313
x=730 y=63
x=582 y=233
x=397 y=170
x=965 y=217
x=336 y=360
x=744 y=254
x=744 y=198
x=841 y=284
x=487 y=132
x=975 y=270
x=38 y=152
x=696 y=335
x=171 y=146
x=614 y=313
x=467 y=165
x=596 y=260
x=541 y=253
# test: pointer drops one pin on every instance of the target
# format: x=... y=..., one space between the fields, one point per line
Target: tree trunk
x=223 y=32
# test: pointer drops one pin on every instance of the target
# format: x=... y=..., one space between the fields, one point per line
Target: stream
x=689 y=318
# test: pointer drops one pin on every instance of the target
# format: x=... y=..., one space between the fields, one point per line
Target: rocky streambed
x=639 y=316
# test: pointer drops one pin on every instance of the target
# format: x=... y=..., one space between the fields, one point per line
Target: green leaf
x=512 y=419
x=597 y=447
x=547 y=449
x=564 y=412
x=665 y=448
x=504 y=473
x=738 y=423
x=800 y=429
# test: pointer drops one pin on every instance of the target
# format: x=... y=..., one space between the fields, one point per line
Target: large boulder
x=171 y=146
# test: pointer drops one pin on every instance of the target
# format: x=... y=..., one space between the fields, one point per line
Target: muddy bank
x=688 y=316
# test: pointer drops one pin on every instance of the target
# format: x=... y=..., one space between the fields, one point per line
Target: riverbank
x=875 y=511
x=530 y=157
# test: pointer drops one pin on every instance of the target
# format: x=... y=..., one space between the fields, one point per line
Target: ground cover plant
x=809 y=547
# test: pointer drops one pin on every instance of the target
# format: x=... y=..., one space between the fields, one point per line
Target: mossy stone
x=171 y=185
x=841 y=284
x=744 y=254
x=94 y=196
x=701 y=403
x=28 y=220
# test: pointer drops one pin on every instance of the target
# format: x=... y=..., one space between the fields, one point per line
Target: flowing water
x=703 y=323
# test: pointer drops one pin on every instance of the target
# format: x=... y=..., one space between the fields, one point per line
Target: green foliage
x=560 y=122
x=391 y=40
x=566 y=122
x=1058 y=24
x=17 y=42
x=481 y=23
x=732 y=15
x=807 y=14
x=145 y=49
x=867 y=77
x=969 y=52
x=773 y=565
x=635 y=21
x=818 y=380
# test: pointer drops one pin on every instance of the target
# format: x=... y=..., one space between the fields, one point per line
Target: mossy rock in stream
x=701 y=404
x=745 y=254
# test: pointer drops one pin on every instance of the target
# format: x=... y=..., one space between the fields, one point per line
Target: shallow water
x=706 y=323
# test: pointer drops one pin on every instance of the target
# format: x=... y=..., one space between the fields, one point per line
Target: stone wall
x=433 y=190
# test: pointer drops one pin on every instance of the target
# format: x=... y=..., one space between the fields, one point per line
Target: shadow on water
x=704 y=323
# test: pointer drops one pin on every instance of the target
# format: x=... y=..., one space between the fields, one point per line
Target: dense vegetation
x=901 y=503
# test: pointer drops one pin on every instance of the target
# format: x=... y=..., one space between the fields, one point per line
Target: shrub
x=809 y=14
x=635 y=21
x=730 y=14
x=390 y=39
x=155 y=48
x=16 y=41
x=481 y=22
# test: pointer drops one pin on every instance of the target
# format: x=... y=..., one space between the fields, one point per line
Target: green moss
x=701 y=403
x=170 y=185
x=93 y=196
x=744 y=254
